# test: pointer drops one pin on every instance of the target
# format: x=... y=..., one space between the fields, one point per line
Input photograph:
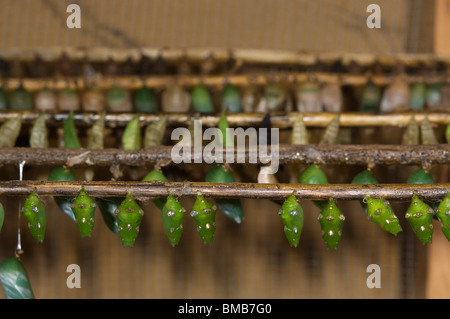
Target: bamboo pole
x=278 y=120
x=423 y=155
x=228 y=190
x=160 y=82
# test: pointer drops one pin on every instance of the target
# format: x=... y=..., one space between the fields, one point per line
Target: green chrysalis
x=418 y=96
x=231 y=207
x=204 y=214
x=223 y=126
x=70 y=133
x=145 y=100
x=381 y=213
x=129 y=216
x=443 y=215
x=331 y=221
x=107 y=207
x=420 y=217
x=83 y=208
x=371 y=97
x=447 y=134
x=131 y=138
x=14 y=279
x=172 y=217
x=314 y=175
x=231 y=99
x=202 y=100
x=21 y=99
x=154 y=132
x=34 y=211
x=291 y=213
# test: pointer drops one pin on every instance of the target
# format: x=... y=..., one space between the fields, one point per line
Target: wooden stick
x=278 y=120
x=228 y=190
x=423 y=155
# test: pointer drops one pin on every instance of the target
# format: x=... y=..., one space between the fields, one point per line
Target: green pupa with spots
x=381 y=213
x=204 y=214
x=291 y=213
x=443 y=215
x=34 y=211
x=331 y=221
x=83 y=208
x=129 y=216
x=172 y=216
x=420 y=217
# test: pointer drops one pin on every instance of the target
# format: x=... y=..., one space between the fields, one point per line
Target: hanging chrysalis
x=418 y=95
x=223 y=126
x=83 y=208
x=331 y=221
x=201 y=99
x=433 y=96
x=291 y=213
x=231 y=207
x=395 y=96
x=411 y=134
x=314 y=175
x=172 y=217
x=3 y=99
x=145 y=100
x=250 y=98
x=45 y=100
x=231 y=99
x=154 y=132
x=129 y=216
x=299 y=134
x=370 y=97
x=428 y=136
x=443 y=215
x=34 y=211
x=204 y=214
x=96 y=134
x=331 y=133
x=63 y=202
x=308 y=98
x=381 y=213
x=331 y=98
x=39 y=136
x=420 y=176
x=21 y=99
x=70 y=133
x=420 y=217
x=107 y=207
x=275 y=98
x=14 y=279
x=131 y=138
x=118 y=100
x=175 y=99
x=93 y=100
x=9 y=131
x=68 y=100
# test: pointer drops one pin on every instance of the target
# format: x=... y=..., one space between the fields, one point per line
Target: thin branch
x=228 y=190
x=306 y=154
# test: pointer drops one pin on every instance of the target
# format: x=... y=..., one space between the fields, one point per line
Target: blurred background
x=251 y=260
